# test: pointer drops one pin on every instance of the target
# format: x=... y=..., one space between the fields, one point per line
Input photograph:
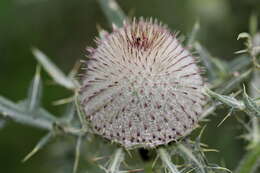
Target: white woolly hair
x=141 y=87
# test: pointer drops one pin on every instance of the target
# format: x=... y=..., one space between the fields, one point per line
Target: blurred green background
x=63 y=28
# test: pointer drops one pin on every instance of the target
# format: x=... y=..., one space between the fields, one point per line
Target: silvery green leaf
x=167 y=162
x=69 y=113
x=194 y=32
x=38 y=146
x=239 y=63
x=57 y=75
x=234 y=82
x=16 y=112
x=35 y=91
x=227 y=100
x=221 y=66
x=251 y=107
x=40 y=112
x=2 y=123
x=112 y=11
x=206 y=60
x=189 y=154
x=117 y=159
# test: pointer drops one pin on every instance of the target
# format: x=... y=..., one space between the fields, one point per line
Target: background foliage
x=63 y=28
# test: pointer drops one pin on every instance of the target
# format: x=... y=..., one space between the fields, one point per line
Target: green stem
x=77 y=154
x=250 y=161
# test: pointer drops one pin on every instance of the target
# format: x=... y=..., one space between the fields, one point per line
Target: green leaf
x=251 y=106
x=40 y=112
x=16 y=112
x=191 y=156
x=35 y=91
x=250 y=161
x=69 y=113
x=102 y=33
x=234 y=82
x=38 y=146
x=2 y=123
x=57 y=75
x=207 y=61
x=118 y=158
x=113 y=12
x=166 y=159
x=253 y=23
x=239 y=63
x=193 y=35
x=227 y=100
x=80 y=112
x=221 y=67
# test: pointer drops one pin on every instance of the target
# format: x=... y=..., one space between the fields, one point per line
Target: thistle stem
x=250 y=161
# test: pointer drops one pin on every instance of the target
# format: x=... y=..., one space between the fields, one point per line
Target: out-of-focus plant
x=233 y=84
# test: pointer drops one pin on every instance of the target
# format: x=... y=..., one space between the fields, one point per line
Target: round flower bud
x=141 y=87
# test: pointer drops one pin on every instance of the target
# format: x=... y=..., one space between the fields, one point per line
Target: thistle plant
x=141 y=89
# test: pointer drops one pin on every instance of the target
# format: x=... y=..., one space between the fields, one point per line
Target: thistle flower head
x=141 y=87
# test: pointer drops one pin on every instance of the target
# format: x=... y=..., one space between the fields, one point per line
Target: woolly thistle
x=141 y=87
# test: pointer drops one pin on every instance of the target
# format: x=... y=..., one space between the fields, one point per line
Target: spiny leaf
x=38 y=146
x=63 y=101
x=251 y=106
x=113 y=12
x=74 y=72
x=239 y=63
x=40 y=112
x=220 y=168
x=228 y=115
x=35 y=91
x=221 y=67
x=234 y=82
x=57 y=75
x=116 y=161
x=166 y=159
x=193 y=34
x=2 y=123
x=17 y=113
x=228 y=100
x=80 y=113
x=206 y=60
x=69 y=113
x=191 y=156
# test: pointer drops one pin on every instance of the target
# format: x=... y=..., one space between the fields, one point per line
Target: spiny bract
x=141 y=87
